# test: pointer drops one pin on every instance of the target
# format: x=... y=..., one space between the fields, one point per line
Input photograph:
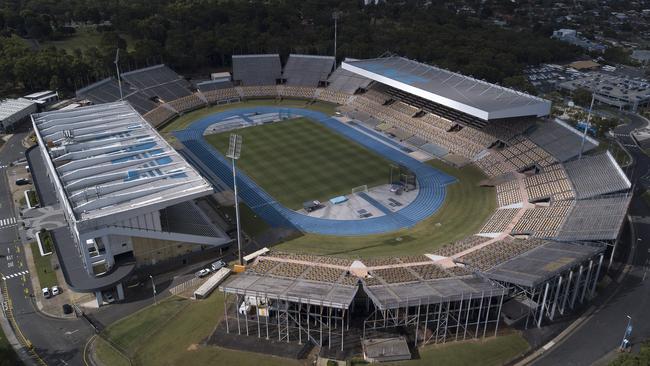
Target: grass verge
x=108 y=354
x=299 y=160
x=8 y=356
x=171 y=333
x=187 y=119
x=464 y=211
x=44 y=270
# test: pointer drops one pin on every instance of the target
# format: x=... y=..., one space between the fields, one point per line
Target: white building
x=13 y=111
x=44 y=98
x=119 y=182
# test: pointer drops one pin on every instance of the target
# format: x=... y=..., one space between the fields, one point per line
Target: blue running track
x=431 y=182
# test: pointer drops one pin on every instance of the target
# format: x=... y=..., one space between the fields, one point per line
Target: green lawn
x=492 y=351
x=8 y=356
x=45 y=272
x=173 y=334
x=464 y=211
x=186 y=119
x=299 y=160
x=84 y=38
x=176 y=328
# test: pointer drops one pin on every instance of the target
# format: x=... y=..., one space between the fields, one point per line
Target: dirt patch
x=193 y=347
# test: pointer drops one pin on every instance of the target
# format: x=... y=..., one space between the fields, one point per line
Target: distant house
x=641 y=56
x=572 y=36
x=584 y=65
x=13 y=111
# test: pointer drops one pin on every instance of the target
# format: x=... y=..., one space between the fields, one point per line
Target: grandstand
x=560 y=140
x=211 y=85
x=307 y=70
x=347 y=82
x=250 y=70
x=159 y=82
x=596 y=175
x=599 y=219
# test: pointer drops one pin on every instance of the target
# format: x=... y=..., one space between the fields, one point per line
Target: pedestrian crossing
x=17 y=274
x=10 y=221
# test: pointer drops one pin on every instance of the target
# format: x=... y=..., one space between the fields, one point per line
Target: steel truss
x=559 y=292
x=321 y=324
x=439 y=322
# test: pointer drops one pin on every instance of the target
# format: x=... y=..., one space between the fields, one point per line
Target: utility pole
x=234 y=152
x=153 y=284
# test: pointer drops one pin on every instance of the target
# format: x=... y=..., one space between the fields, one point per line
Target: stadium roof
x=292 y=289
x=9 y=107
x=541 y=263
x=109 y=161
x=468 y=95
x=396 y=295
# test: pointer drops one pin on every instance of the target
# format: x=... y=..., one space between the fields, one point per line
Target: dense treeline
x=194 y=35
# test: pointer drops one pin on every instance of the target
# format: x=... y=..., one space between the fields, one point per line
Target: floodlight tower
x=587 y=125
x=117 y=68
x=335 y=16
x=234 y=152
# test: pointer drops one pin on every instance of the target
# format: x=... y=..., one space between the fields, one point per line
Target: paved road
x=56 y=341
x=603 y=332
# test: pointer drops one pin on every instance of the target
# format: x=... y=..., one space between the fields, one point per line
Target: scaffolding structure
x=435 y=320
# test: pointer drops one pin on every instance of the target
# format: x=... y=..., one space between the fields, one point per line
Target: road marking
x=71 y=332
x=17 y=274
x=7 y=222
x=548 y=345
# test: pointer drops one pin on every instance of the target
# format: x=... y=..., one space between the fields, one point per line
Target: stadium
x=410 y=203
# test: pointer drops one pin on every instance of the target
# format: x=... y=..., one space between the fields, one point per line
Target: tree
x=582 y=97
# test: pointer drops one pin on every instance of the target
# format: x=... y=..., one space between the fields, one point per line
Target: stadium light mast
x=335 y=16
x=234 y=152
x=587 y=125
x=117 y=68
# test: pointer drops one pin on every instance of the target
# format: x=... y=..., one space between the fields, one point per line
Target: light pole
x=335 y=16
x=234 y=152
x=587 y=125
x=628 y=332
x=117 y=68
x=153 y=285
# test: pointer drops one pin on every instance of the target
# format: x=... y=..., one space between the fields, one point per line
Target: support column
x=541 y=310
x=576 y=287
x=557 y=295
x=120 y=291
x=460 y=314
x=225 y=310
x=584 y=288
x=99 y=298
x=566 y=292
x=469 y=306
x=593 y=286
x=237 y=310
x=496 y=328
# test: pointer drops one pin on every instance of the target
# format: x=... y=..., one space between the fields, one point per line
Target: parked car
x=218 y=265
x=55 y=290
x=22 y=182
x=108 y=297
x=46 y=293
x=202 y=273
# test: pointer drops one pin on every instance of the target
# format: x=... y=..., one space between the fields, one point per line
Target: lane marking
x=17 y=274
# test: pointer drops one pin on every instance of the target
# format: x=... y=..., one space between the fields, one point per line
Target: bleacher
x=108 y=90
x=498 y=252
x=187 y=103
x=158 y=82
x=595 y=219
x=251 y=70
x=508 y=193
x=460 y=246
x=333 y=96
x=297 y=92
x=159 y=115
x=265 y=91
x=499 y=220
x=211 y=85
x=596 y=175
x=552 y=183
x=560 y=140
x=307 y=70
x=521 y=154
x=346 y=82
x=543 y=221
x=222 y=95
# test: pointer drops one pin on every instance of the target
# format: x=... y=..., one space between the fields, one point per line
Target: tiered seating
x=477 y=136
x=403 y=108
x=295 y=256
x=218 y=95
x=430 y=271
x=498 y=252
x=346 y=82
x=376 y=96
x=261 y=266
x=250 y=70
x=395 y=275
x=260 y=91
x=159 y=115
x=324 y=274
x=187 y=103
x=158 y=81
x=508 y=193
x=107 y=90
x=560 y=140
x=505 y=130
x=460 y=246
x=211 y=85
x=519 y=155
x=596 y=175
x=596 y=219
x=543 y=221
x=499 y=220
x=414 y=259
x=335 y=261
x=307 y=70
x=291 y=270
x=333 y=96
x=297 y=92
x=380 y=261
x=551 y=183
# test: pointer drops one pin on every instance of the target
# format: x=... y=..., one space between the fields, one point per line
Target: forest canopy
x=192 y=36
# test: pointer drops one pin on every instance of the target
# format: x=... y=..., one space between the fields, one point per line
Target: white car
x=218 y=265
x=46 y=293
x=109 y=297
x=202 y=273
x=55 y=290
